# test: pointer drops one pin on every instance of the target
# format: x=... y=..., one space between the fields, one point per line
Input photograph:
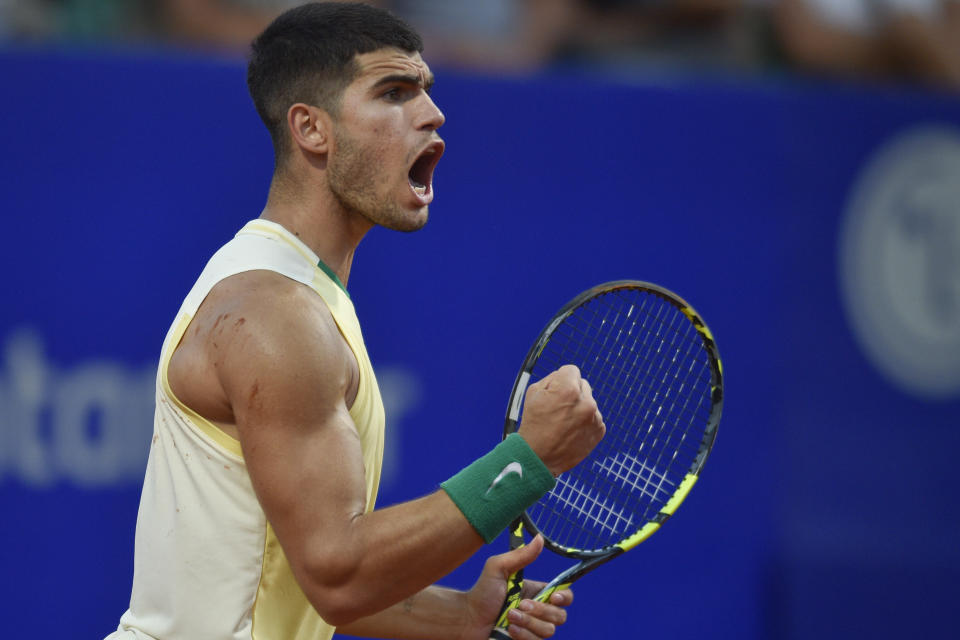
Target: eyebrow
x=403 y=78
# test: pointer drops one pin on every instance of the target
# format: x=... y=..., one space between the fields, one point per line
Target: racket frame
x=591 y=559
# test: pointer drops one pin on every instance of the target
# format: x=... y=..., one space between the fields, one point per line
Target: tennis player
x=257 y=516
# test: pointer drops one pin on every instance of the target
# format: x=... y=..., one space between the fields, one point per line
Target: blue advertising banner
x=816 y=228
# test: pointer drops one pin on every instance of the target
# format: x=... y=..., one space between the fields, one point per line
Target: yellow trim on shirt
x=273 y=230
x=205 y=427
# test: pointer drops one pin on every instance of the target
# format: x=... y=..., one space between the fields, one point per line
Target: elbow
x=339 y=608
x=332 y=586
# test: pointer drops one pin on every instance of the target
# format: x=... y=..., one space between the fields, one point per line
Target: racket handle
x=514 y=588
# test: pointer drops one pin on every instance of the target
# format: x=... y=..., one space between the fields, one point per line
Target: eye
x=393 y=94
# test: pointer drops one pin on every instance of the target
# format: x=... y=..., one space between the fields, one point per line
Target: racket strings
x=651 y=378
x=664 y=378
x=673 y=390
x=643 y=378
x=632 y=371
x=648 y=376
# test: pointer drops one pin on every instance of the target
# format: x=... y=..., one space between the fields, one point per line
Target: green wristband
x=495 y=489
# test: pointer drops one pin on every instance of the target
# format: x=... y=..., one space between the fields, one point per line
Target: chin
x=413 y=223
x=405 y=219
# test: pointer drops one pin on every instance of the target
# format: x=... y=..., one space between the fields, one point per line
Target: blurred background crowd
x=914 y=42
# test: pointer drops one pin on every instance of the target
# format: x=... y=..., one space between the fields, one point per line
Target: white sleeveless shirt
x=207 y=563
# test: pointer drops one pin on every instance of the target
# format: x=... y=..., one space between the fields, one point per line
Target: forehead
x=391 y=62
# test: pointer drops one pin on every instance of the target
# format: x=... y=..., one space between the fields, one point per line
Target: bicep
x=285 y=373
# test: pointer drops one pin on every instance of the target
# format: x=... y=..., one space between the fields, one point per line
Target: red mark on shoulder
x=222 y=316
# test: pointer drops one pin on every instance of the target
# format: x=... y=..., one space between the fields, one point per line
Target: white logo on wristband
x=513 y=467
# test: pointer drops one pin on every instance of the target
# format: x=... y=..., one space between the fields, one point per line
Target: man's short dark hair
x=308 y=55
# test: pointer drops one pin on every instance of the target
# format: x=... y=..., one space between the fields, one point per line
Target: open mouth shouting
x=420 y=175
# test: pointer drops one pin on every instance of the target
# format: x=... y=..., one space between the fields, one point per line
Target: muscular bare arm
x=284 y=373
x=437 y=613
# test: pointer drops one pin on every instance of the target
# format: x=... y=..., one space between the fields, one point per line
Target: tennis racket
x=657 y=379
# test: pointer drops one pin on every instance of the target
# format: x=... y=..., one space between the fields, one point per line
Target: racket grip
x=514 y=588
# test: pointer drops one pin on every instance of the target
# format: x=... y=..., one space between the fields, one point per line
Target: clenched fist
x=561 y=421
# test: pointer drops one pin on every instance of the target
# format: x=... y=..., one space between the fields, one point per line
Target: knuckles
x=564 y=388
x=562 y=419
x=568 y=394
x=571 y=371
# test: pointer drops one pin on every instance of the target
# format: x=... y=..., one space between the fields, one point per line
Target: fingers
x=589 y=404
x=561 y=598
x=561 y=420
x=534 y=620
x=568 y=379
x=510 y=562
x=567 y=374
x=586 y=392
x=585 y=389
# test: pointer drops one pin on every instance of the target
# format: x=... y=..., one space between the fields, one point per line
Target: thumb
x=516 y=559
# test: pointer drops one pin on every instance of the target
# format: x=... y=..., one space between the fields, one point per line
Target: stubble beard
x=353 y=178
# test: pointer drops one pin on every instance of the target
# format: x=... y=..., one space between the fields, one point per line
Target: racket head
x=656 y=375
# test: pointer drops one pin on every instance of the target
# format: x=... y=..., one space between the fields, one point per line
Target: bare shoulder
x=259 y=338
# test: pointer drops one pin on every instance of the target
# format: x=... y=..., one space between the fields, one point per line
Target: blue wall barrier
x=816 y=228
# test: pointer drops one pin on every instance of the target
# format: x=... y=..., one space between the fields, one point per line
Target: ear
x=310 y=127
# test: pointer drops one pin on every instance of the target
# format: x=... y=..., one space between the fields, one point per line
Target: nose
x=432 y=117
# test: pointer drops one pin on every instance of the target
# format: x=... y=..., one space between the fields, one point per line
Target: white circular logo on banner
x=900 y=261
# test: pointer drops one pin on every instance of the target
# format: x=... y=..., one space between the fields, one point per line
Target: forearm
x=385 y=557
x=434 y=613
x=370 y=561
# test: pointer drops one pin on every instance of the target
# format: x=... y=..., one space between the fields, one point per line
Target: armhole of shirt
x=205 y=427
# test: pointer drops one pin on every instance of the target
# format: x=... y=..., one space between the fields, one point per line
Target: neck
x=310 y=212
